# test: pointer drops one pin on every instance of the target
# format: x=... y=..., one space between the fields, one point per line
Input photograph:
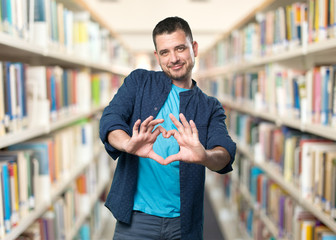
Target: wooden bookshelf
x=58 y=189
x=313 y=128
x=24 y=50
x=293 y=191
x=93 y=199
x=17 y=49
x=225 y=217
x=223 y=61
x=271 y=227
x=319 y=50
x=30 y=133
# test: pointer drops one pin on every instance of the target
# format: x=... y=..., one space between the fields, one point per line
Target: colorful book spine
x=6 y=197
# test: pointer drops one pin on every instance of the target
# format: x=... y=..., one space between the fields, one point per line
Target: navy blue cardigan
x=142 y=94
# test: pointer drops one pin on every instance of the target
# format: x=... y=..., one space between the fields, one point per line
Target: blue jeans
x=148 y=227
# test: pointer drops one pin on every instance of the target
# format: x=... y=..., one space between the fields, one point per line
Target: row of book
x=60 y=220
x=52 y=25
x=264 y=201
x=309 y=96
x=32 y=170
x=37 y=95
x=306 y=161
x=274 y=31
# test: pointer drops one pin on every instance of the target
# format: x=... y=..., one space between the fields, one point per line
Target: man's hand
x=186 y=135
x=191 y=149
x=142 y=141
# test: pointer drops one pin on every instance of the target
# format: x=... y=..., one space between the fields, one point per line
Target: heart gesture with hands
x=186 y=135
x=143 y=138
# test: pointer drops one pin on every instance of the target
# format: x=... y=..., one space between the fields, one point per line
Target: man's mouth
x=176 y=67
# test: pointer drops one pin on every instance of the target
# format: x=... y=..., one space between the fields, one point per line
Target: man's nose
x=174 y=57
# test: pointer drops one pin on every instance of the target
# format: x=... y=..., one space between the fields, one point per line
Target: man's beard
x=178 y=77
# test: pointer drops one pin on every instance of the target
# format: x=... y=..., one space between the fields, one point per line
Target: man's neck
x=183 y=84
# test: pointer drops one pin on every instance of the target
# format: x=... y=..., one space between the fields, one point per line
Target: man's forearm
x=216 y=158
x=118 y=139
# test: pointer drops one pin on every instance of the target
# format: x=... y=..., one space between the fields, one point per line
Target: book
x=48 y=220
x=84 y=231
x=10 y=97
x=333 y=190
x=319 y=152
x=307 y=117
x=83 y=89
x=333 y=97
x=2 y=102
x=328 y=236
x=319 y=230
x=41 y=149
x=289 y=158
x=307 y=168
x=325 y=107
x=312 y=170
x=307 y=229
x=21 y=159
x=64 y=220
x=37 y=102
x=2 y=223
x=317 y=78
x=13 y=181
x=80 y=40
x=83 y=197
x=21 y=93
x=39 y=23
x=6 y=196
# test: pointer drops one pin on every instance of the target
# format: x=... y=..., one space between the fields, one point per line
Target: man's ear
x=157 y=57
x=195 y=48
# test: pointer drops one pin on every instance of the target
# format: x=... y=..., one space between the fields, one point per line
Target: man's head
x=175 y=50
x=170 y=25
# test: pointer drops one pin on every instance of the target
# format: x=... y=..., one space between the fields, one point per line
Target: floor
x=211 y=228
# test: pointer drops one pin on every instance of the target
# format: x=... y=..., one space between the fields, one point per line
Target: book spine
x=6 y=195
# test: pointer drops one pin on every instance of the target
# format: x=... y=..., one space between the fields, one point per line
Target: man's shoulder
x=140 y=72
x=142 y=76
x=207 y=98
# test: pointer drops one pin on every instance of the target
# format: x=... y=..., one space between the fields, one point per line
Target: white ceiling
x=134 y=20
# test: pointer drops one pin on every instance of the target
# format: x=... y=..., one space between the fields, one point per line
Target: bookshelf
x=274 y=72
x=60 y=66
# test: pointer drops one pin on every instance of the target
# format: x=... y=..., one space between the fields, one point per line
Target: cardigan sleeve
x=218 y=135
x=117 y=115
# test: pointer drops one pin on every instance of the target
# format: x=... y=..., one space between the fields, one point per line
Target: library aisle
x=273 y=70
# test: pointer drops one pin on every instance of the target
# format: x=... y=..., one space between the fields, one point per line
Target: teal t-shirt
x=158 y=190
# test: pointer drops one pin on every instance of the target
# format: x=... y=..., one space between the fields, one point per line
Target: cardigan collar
x=168 y=83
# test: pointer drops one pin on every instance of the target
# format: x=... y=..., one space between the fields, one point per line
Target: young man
x=158 y=186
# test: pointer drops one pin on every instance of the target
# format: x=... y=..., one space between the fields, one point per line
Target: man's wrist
x=119 y=139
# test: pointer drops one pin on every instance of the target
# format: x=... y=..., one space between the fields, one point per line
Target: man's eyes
x=178 y=49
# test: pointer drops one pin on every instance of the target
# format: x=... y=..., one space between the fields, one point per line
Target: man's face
x=176 y=55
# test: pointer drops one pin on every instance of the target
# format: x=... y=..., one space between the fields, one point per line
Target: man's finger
x=136 y=127
x=174 y=133
x=159 y=130
x=144 y=125
x=157 y=158
x=185 y=123
x=177 y=124
x=194 y=128
x=172 y=158
x=153 y=123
